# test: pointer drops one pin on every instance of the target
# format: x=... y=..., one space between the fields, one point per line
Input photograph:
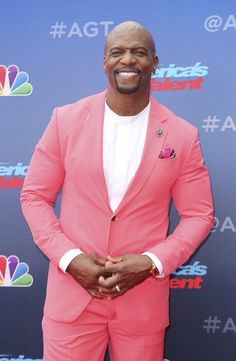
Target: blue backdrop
x=52 y=54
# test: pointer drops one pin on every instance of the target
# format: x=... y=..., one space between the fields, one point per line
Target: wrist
x=74 y=264
x=153 y=270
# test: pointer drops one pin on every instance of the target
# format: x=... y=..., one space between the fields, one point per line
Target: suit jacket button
x=114 y=218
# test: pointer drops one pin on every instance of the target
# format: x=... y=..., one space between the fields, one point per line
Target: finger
x=113 y=293
x=108 y=282
x=115 y=259
x=118 y=294
x=96 y=294
x=114 y=267
x=106 y=291
x=100 y=261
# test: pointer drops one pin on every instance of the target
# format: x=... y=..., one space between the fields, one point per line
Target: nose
x=128 y=58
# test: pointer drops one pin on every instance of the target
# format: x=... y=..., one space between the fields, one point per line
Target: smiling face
x=129 y=59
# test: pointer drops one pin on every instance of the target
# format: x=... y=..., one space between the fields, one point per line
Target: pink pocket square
x=167 y=152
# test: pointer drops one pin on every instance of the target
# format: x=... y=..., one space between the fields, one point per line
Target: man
x=119 y=158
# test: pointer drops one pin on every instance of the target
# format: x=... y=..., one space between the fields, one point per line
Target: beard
x=128 y=90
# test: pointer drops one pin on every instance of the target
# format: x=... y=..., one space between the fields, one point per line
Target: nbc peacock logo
x=14 y=273
x=14 y=82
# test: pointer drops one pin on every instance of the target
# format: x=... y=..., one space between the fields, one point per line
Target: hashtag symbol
x=58 y=29
x=212 y=324
x=211 y=123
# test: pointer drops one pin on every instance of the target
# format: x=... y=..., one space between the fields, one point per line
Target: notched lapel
x=155 y=138
x=93 y=130
x=93 y=127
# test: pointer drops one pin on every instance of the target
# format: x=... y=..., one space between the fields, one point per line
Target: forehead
x=128 y=38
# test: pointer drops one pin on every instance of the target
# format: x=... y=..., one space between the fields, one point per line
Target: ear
x=104 y=64
x=155 y=63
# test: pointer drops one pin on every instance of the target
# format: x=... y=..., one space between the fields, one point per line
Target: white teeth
x=126 y=74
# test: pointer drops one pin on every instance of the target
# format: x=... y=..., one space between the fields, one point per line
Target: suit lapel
x=152 y=148
x=94 y=140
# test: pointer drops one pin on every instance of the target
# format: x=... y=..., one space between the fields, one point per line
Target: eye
x=140 y=52
x=115 y=53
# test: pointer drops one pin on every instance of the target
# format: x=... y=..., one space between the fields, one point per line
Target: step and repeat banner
x=51 y=54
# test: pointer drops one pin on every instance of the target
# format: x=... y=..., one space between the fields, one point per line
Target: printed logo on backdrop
x=189 y=276
x=14 y=273
x=214 y=23
x=14 y=82
x=217 y=324
x=9 y=357
x=12 y=176
x=89 y=29
x=224 y=224
x=175 y=77
x=213 y=124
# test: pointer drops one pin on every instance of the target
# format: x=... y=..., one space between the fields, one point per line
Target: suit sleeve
x=42 y=183
x=192 y=197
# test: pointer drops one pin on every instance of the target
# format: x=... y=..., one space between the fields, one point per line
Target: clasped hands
x=109 y=277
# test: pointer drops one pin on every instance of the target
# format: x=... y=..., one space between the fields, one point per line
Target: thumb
x=100 y=261
x=114 y=259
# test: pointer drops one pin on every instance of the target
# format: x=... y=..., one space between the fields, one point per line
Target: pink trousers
x=86 y=338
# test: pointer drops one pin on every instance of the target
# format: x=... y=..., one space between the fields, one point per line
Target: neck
x=127 y=104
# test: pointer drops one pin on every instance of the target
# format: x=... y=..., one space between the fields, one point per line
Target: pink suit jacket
x=69 y=157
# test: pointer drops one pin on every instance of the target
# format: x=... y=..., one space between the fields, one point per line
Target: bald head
x=130 y=27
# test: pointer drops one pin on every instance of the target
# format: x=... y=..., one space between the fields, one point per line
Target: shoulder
x=80 y=106
x=68 y=120
x=176 y=124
